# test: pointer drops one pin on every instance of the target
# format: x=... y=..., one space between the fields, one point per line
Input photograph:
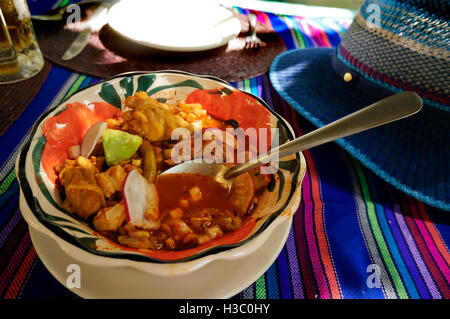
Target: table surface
x=350 y=225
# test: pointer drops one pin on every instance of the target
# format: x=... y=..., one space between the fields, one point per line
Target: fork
x=252 y=41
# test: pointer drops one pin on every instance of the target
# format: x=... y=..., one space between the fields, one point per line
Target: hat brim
x=410 y=154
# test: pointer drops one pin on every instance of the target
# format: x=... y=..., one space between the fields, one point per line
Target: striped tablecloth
x=350 y=226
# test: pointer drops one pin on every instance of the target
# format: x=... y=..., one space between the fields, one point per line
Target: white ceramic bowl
x=45 y=214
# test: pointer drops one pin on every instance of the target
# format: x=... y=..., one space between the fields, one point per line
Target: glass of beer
x=20 y=56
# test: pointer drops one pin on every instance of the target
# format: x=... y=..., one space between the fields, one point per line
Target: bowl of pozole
x=91 y=171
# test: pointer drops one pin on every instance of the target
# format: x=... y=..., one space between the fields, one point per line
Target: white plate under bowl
x=174 y=25
x=128 y=282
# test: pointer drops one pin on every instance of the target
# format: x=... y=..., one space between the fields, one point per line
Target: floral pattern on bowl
x=43 y=199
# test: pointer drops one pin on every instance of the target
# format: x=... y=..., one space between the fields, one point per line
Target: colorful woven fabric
x=349 y=221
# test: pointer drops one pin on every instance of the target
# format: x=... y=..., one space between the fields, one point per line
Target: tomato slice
x=68 y=128
x=225 y=105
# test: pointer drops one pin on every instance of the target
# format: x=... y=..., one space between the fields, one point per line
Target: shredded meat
x=112 y=180
x=83 y=195
x=153 y=120
x=110 y=218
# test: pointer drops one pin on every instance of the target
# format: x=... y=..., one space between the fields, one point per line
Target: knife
x=95 y=22
x=57 y=13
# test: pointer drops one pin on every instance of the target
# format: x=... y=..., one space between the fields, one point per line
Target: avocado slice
x=119 y=145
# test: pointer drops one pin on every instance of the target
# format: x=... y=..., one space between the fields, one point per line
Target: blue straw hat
x=391 y=46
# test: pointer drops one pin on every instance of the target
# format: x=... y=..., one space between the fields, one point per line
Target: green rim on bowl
x=73 y=229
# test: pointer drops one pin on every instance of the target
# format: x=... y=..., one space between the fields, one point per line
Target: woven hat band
x=387 y=51
x=411 y=22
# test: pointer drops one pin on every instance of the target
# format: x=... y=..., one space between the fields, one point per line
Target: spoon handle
x=390 y=109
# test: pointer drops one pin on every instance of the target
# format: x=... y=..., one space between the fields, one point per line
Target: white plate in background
x=174 y=25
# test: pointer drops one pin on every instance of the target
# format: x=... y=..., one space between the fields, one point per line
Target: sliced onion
x=139 y=195
x=92 y=137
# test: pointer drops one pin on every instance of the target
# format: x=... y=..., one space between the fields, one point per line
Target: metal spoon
x=390 y=109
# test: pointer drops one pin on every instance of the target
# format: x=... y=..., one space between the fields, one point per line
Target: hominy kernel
x=195 y=193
